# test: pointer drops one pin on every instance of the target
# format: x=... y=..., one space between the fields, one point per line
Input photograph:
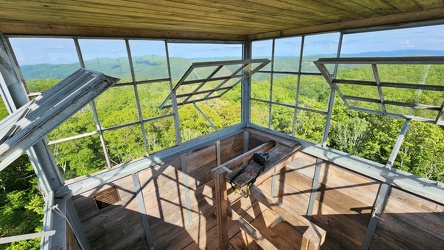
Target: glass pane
x=360 y=72
x=419 y=41
x=284 y=88
x=80 y=123
x=149 y=59
x=314 y=92
x=282 y=119
x=260 y=86
x=317 y=46
x=183 y=54
x=192 y=123
x=430 y=114
x=262 y=49
x=124 y=144
x=45 y=61
x=310 y=126
x=359 y=90
x=160 y=134
x=430 y=97
x=151 y=96
x=107 y=56
x=287 y=53
x=79 y=157
x=422 y=151
x=117 y=106
x=403 y=73
x=365 y=105
x=400 y=95
x=259 y=113
x=434 y=76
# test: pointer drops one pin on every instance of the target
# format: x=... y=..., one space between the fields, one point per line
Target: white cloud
x=406 y=44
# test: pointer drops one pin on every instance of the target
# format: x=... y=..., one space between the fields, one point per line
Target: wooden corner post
x=221 y=206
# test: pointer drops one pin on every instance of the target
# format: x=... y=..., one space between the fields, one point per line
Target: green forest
x=363 y=134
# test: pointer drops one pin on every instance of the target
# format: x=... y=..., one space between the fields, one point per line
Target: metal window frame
x=238 y=73
x=373 y=62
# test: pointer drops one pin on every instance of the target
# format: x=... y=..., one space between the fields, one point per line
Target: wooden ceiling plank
x=57 y=10
x=11 y=28
x=194 y=13
x=396 y=19
x=257 y=9
x=404 y=5
x=428 y=4
x=82 y=18
x=378 y=6
x=320 y=9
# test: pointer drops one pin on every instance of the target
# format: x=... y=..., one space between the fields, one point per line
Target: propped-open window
x=209 y=80
x=210 y=83
x=23 y=128
x=410 y=92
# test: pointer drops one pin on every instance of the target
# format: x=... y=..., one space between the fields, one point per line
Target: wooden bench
x=281 y=153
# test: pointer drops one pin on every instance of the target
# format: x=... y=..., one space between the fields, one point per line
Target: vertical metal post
x=246 y=87
x=93 y=109
x=331 y=98
x=142 y=210
x=271 y=84
x=298 y=87
x=136 y=93
x=314 y=188
x=218 y=159
x=186 y=188
x=173 y=98
x=383 y=192
x=246 y=141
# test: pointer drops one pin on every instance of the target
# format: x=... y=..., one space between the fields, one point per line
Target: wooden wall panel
x=410 y=222
x=343 y=206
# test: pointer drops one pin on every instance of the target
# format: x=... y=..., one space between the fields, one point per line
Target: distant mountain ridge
x=155 y=67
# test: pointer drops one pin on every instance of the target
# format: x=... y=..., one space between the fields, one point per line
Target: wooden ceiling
x=207 y=19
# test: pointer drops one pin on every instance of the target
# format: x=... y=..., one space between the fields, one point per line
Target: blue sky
x=60 y=50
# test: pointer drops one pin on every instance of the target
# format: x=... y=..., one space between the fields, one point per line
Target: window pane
x=259 y=113
x=183 y=54
x=160 y=134
x=310 y=126
x=79 y=157
x=284 y=88
x=117 y=106
x=151 y=96
x=287 y=53
x=361 y=72
x=282 y=119
x=149 y=59
x=124 y=144
x=314 y=92
x=317 y=46
x=262 y=49
x=45 y=61
x=260 y=86
x=419 y=41
x=107 y=56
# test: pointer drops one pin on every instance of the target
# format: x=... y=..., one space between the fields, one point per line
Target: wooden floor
x=202 y=233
